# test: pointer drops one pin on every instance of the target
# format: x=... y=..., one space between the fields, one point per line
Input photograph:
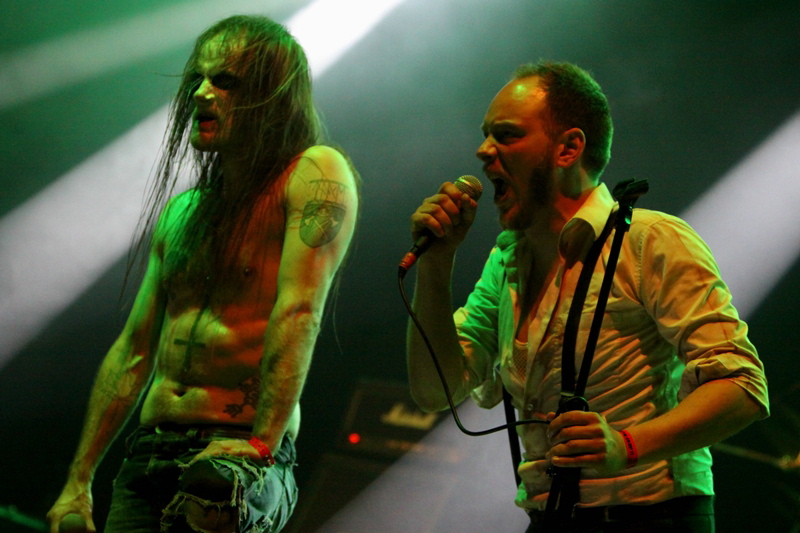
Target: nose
x=486 y=151
x=203 y=92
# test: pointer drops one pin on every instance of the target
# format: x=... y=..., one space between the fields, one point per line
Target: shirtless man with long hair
x=225 y=320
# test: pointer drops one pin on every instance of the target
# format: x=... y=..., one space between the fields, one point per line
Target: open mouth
x=500 y=188
x=205 y=122
x=204 y=117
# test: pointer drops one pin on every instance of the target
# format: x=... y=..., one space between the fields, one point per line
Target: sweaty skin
x=207 y=363
x=227 y=346
x=240 y=359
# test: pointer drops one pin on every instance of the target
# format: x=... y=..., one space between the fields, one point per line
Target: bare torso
x=208 y=353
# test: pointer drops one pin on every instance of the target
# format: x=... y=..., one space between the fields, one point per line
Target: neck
x=573 y=187
x=565 y=207
x=233 y=172
x=566 y=203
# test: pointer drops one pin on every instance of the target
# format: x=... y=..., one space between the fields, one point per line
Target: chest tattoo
x=191 y=343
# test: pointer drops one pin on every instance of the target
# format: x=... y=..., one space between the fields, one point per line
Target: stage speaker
x=381 y=424
x=337 y=479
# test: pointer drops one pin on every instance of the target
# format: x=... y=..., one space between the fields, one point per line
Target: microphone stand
x=565 y=488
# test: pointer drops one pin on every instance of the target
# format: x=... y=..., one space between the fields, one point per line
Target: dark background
x=694 y=86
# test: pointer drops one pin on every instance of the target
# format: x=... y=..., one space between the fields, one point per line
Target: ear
x=569 y=147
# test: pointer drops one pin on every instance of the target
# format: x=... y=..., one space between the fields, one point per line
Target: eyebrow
x=485 y=127
x=213 y=71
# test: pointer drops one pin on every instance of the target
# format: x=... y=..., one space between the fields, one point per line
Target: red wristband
x=263 y=450
x=630 y=449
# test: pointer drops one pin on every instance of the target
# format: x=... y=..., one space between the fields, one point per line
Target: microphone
x=469 y=185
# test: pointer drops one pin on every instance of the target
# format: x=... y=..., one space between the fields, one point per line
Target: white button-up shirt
x=668 y=327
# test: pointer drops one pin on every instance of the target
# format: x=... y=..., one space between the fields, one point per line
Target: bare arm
x=714 y=411
x=711 y=413
x=448 y=214
x=322 y=204
x=120 y=381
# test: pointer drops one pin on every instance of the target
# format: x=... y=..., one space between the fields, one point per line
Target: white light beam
x=65 y=61
x=750 y=218
x=56 y=245
x=311 y=26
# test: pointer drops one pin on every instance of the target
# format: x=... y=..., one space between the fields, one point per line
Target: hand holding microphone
x=440 y=214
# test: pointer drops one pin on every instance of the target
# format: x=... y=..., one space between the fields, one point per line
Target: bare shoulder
x=176 y=210
x=324 y=162
x=180 y=202
x=322 y=197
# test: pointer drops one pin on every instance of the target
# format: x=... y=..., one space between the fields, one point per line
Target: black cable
x=445 y=387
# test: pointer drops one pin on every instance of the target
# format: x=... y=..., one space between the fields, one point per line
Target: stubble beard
x=540 y=193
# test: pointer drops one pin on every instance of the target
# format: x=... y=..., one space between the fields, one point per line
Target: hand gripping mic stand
x=564 y=492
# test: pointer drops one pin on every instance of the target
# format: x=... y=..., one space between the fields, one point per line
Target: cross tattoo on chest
x=191 y=343
x=187 y=356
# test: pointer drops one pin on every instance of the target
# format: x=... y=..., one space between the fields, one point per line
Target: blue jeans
x=687 y=514
x=155 y=488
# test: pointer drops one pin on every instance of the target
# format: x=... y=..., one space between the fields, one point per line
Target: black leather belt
x=205 y=431
x=682 y=506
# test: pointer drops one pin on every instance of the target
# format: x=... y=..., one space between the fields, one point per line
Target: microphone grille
x=470 y=185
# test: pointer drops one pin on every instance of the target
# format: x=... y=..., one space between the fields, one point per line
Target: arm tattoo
x=117 y=387
x=323 y=214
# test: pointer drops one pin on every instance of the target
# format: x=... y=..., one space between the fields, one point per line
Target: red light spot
x=354 y=438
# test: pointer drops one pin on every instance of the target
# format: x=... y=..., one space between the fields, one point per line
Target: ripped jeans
x=155 y=491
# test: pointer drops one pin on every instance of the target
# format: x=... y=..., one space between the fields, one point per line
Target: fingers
x=444 y=211
x=604 y=455
x=436 y=215
x=534 y=474
x=90 y=527
x=572 y=419
x=210 y=450
x=572 y=450
x=468 y=209
x=576 y=438
x=585 y=439
x=235 y=447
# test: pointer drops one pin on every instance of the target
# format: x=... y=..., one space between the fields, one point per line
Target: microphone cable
x=445 y=387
